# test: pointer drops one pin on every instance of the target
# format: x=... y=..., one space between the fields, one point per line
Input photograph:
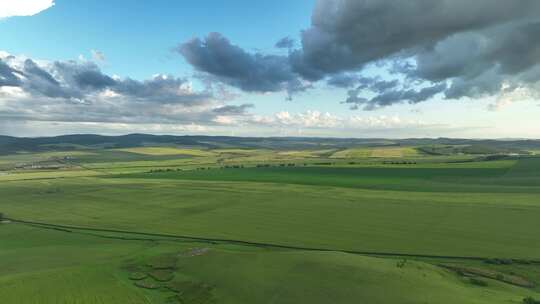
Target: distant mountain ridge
x=9 y=144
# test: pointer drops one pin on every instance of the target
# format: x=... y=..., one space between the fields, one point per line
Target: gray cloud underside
x=349 y=33
x=78 y=80
x=130 y=113
x=113 y=111
x=80 y=91
x=8 y=75
x=285 y=43
x=233 y=109
x=456 y=48
x=232 y=65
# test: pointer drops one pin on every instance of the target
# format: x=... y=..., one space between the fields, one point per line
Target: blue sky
x=238 y=82
x=131 y=32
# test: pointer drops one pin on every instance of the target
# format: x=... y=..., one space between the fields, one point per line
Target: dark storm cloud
x=474 y=45
x=345 y=34
x=230 y=64
x=466 y=48
x=481 y=63
x=512 y=50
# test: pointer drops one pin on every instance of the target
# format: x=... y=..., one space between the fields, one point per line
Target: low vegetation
x=220 y=221
x=530 y=300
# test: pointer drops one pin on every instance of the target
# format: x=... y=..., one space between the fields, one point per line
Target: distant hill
x=10 y=144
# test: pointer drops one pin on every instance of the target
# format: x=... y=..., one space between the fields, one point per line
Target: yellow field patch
x=394 y=152
x=64 y=153
x=29 y=175
x=238 y=151
x=304 y=153
x=162 y=151
x=382 y=152
x=352 y=153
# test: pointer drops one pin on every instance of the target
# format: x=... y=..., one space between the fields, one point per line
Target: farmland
x=253 y=224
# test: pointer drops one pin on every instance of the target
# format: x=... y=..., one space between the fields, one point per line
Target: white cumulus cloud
x=12 y=8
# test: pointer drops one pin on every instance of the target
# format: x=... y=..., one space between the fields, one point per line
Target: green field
x=91 y=269
x=235 y=225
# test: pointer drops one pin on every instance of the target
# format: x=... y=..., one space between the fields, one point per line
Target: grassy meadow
x=261 y=225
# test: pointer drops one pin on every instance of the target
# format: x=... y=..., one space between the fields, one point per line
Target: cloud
x=164 y=89
x=217 y=57
x=343 y=80
x=23 y=7
x=447 y=48
x=346 y=34
x=44 y=96
x=53 y=128
x=9 y=77
x=508 y=97
x=84 y=79
x=388 y=96
x=233 y=109
x=98 y=56
x=78 y=91
x=325 y=120
x=285 y=43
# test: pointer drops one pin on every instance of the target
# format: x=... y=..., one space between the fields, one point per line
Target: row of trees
x=399 y=162
x=278 y=165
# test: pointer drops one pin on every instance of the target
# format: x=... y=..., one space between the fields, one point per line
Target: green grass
x=469 y=177
x=502 y=224
x=484 y=209
x=299 y=277
x=95 y=270
x=40 y=266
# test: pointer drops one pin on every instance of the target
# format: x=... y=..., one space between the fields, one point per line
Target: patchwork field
x=145 y=225
x=158 y=151
x=380 y=152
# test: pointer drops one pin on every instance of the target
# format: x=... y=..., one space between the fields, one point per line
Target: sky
x=325 y=68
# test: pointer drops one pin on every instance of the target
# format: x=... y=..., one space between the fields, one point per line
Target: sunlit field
x=436 y=228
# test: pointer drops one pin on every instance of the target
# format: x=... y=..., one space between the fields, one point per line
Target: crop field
x=382 y=152
x=157 y=151
x=237 y=225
